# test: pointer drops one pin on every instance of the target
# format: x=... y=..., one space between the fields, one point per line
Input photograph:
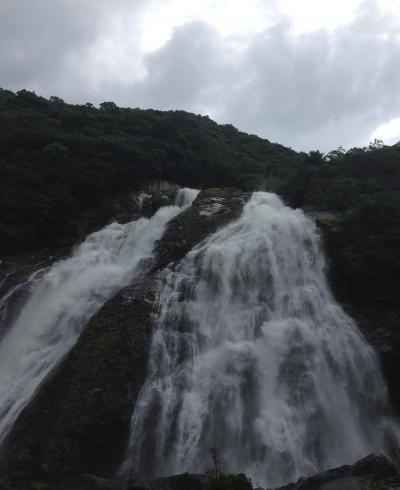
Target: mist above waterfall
x=251 y=353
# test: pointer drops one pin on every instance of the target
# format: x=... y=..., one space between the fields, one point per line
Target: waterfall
x=251 y=354
x=184 y=197
x=64 y=298
x=7 y=298
x=140 y=200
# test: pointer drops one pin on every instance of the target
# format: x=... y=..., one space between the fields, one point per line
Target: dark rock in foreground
x=373 y=472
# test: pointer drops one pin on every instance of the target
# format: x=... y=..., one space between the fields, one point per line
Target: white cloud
x=319 y=89
x=309 y=15
x=388 y=132
x=228 y=17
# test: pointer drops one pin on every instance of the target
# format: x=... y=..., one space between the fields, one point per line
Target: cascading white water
x=64 y=299
x=140 y=200
x=184 y=197
x=250 y=353
x=5 y=300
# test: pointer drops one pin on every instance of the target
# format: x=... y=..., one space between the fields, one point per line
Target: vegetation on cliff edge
x=61 y=165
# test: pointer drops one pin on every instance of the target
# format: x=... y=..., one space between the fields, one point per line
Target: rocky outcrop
x=16 y=270
x=79 y=420
x=371 y=473
x=78 y=424
x=211 y=209
x=382 y=329
x=378 y=321
x=91 y=482
x=144 y=200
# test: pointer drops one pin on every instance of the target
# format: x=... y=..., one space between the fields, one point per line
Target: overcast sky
x=305 y=73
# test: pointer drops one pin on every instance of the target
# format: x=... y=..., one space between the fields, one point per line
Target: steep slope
x=61 y=165
x=79 y=420
x=66 y=170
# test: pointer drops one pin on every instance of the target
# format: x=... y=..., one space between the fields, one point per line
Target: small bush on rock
x=218 y=480
x=229 y=482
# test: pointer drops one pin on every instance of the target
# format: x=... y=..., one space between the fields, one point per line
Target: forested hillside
x=61 y=165
x=58 y=161
x=362 y=186
x=79 y=363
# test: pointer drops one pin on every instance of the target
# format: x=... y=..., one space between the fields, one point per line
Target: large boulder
x=374 y=472
x=370 y=473
x=211 y=209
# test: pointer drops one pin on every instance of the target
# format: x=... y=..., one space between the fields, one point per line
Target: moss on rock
x=79 y=421
x=211 y=209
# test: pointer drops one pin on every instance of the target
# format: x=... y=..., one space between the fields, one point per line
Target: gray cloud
x=189 y=72
x=38 y=38
x=319 y=89
x=316 y=90
x=51 y=45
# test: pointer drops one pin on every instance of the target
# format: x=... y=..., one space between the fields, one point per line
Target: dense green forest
x=61 y=165
x=362 y=186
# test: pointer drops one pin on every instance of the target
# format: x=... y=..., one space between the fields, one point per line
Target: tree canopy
x=61 y=164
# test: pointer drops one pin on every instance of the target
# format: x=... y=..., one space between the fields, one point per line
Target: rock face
x=145 y=201
x=371 y=473
x=16 y=270
x=379 y=323
x=92 y=482
x=211 y=209
x=14 y=281
x=79 y=420
x=78 y=424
